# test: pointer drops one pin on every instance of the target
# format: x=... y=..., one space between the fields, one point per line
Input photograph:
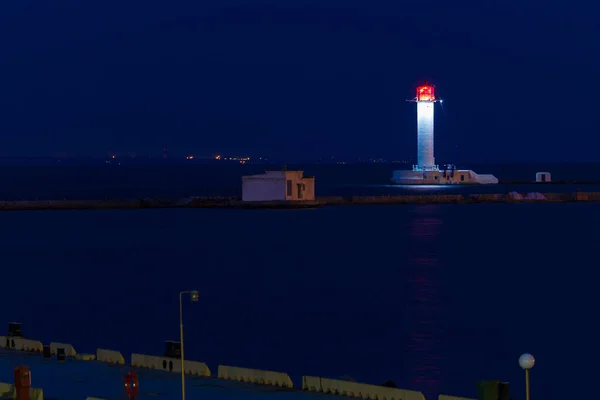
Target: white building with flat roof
x=278 y=186
x=543 y=177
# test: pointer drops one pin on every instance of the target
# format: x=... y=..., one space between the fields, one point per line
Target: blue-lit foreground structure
x=102 y=376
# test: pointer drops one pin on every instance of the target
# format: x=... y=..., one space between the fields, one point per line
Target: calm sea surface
x=432 y=297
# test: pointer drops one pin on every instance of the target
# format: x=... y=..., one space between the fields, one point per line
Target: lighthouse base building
x=426 y=172
x=441 y=177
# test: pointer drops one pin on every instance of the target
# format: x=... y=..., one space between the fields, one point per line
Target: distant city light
x=241 y=160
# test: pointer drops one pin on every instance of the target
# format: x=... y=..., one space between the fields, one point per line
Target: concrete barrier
x=17 y=343
x=593 y=196
x=169 y=364
x=255 y=376
x=445 y=397
x=69 y=350
x=7 y=390
x=409 y=199
x=68 y=204
x=587 y=196
x=561 y=197
x=358 y=390
x=109 y=356
x=486 y=198
x=331 y=200
x=36 y=394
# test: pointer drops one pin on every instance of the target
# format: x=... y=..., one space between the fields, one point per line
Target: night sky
x=300 y=78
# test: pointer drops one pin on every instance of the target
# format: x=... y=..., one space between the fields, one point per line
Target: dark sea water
x=433 y=297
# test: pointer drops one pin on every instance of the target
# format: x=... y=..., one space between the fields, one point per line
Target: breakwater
x=235 y=202
x=510 y=197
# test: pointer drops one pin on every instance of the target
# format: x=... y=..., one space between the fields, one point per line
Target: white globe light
x=526 y=361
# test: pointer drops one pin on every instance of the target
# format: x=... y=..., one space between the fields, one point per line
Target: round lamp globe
x=526 y=361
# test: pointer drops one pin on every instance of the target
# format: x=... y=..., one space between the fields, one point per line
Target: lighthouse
x=425 y=100
x=426 y=171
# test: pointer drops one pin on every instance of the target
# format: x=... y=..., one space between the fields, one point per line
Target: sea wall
x=587 y=196
x=115 y=204
x=69 y=204
x=234 y=202
x=403 y=199
x=169 y=364
x=458 y=198
x=357 y=390
x=408 y=199
x=257 y=376
x=333 y=200
x=486 y=198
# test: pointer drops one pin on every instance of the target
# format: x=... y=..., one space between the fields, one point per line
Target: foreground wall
x=359 y=390
x=169 y=364
x=446 y=397
x=17 y=343
x=257 y=376
x=110 y=356
x=8 y=390
x=69 y=350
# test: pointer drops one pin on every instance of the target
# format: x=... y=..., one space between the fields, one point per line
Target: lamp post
x=526 y=361
x=194 y=297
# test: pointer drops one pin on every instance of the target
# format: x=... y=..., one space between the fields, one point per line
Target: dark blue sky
x=300 y=78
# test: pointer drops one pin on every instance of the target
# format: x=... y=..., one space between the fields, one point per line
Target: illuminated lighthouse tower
x=426 y=172
x=425 y=101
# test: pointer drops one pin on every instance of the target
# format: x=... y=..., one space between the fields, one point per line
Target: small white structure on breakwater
x=278 y=186
x=543 y=177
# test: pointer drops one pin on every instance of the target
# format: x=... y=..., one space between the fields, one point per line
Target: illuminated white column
x=425 y=159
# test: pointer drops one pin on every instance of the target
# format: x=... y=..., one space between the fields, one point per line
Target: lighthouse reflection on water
x=424 y=352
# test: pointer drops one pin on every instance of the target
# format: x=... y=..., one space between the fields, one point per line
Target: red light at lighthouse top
x=425 y=92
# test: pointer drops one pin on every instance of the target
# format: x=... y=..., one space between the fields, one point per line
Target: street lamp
x=194 y=297
x=526 y=361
